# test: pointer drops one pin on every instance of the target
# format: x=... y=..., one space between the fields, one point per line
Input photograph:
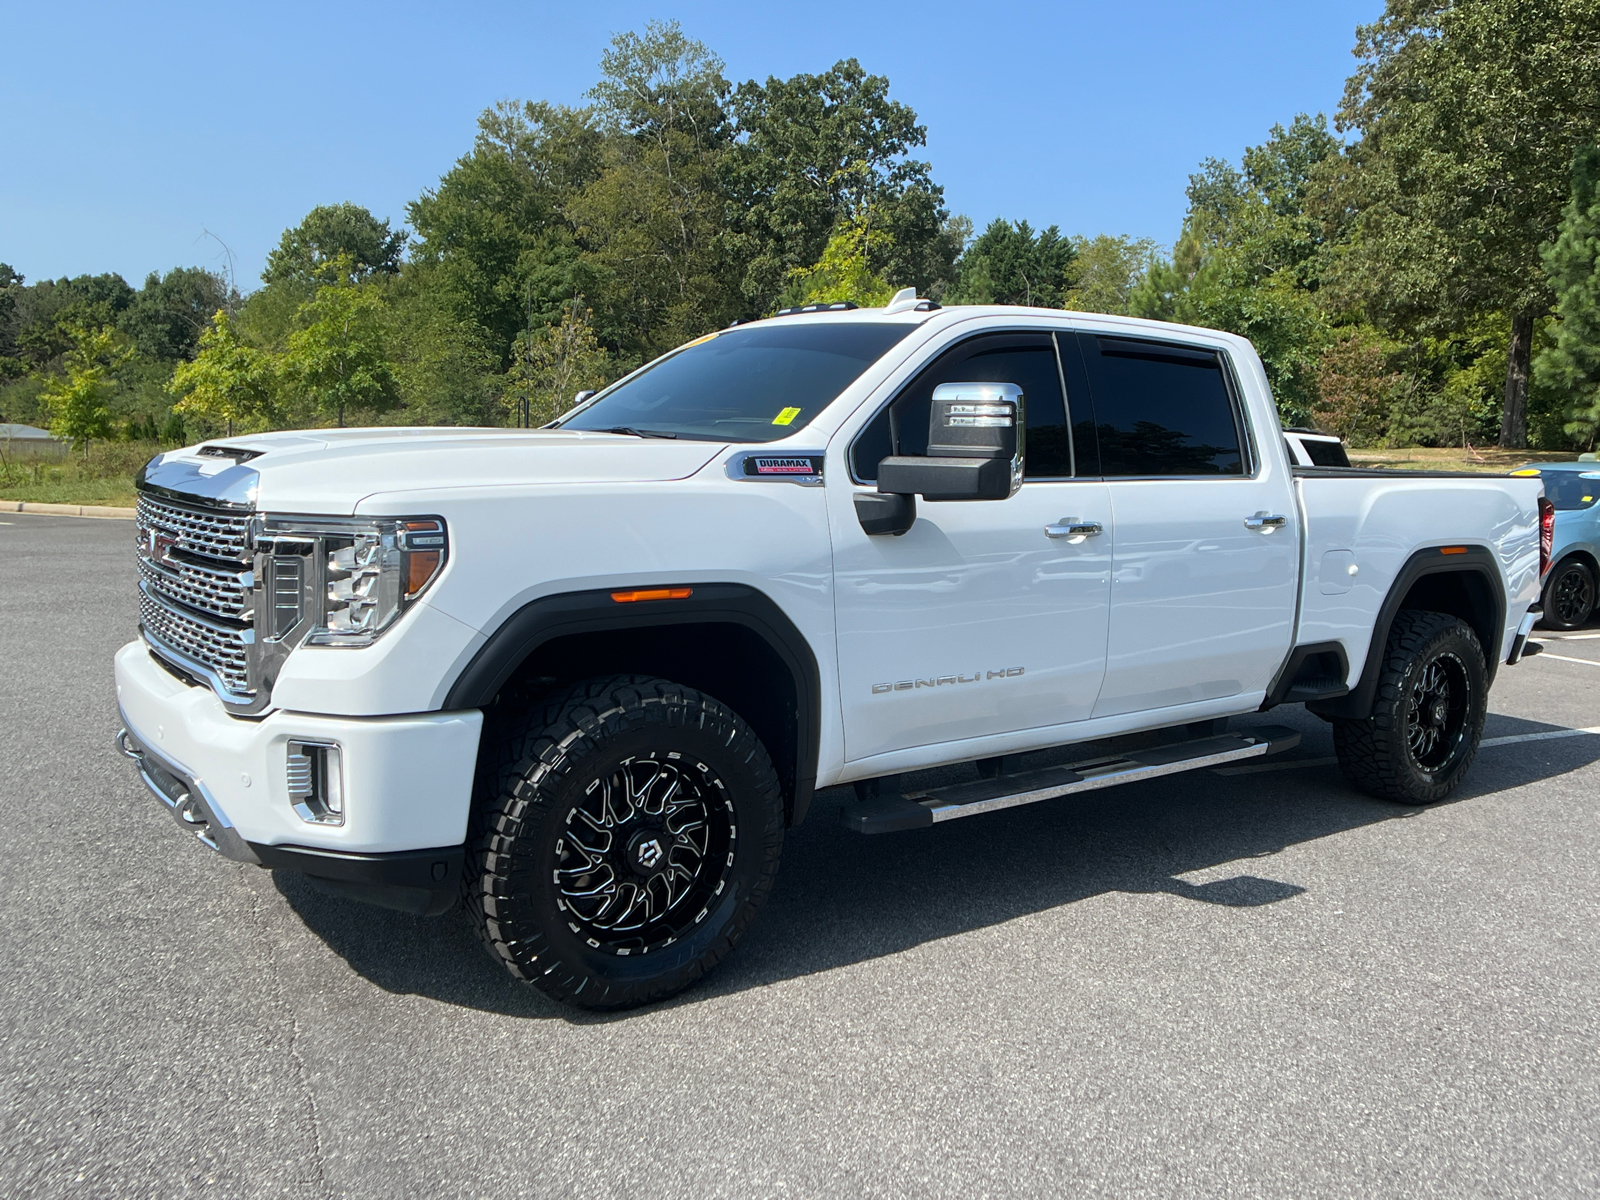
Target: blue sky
x=141 y=137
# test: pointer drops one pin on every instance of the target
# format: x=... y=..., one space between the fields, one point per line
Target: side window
x=1161 y=409
x=1025 y=359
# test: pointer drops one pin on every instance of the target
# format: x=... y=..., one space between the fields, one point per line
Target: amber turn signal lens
x=421 y=566
x=1452 y=549
x=652 y=594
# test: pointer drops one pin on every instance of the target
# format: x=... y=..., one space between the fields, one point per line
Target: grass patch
x=1491 y=460
x=105 y=477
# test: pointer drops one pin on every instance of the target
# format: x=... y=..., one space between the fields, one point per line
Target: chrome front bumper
x=191 y=806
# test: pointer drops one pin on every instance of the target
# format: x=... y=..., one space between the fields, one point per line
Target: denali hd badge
x=909 y=685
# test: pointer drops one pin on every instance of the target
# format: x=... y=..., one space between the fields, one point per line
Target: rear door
x=1206 y=565
x=977 y=621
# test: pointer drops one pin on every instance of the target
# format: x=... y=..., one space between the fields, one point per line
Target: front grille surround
x=197 y=594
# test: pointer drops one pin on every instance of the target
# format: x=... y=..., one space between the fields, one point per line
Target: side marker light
x=652 y=594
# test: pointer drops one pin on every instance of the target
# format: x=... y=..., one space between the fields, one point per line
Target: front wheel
x=1569 y=595
x=628 y=831
x=1427 y=716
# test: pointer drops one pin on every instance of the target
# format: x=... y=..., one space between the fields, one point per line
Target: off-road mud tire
x=537 y=766
x=1376 y=754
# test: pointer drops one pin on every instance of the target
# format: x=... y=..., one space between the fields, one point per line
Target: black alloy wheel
x=626 y=831
x=1436 y=711
x=1427 y=715
x=1569 y=595
x=646 y=851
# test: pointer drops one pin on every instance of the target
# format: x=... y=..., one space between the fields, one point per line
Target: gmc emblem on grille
x=161 y=544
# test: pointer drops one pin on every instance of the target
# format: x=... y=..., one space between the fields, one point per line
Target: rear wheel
x=1569 y=595
x=628 y=832
x=1427 y=716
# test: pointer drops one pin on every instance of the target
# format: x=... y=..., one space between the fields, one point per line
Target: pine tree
x=1572 y=262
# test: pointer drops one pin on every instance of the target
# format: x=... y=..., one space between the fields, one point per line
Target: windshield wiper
x=644 y=433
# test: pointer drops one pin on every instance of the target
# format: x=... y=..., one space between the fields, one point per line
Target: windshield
x=1571 y=489
x=743 y=385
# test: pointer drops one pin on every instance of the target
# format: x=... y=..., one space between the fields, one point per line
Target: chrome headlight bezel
x=342 y=581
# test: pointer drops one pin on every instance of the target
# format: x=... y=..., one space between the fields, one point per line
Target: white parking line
x=1548 y=735
x=1588 y=662
x=1568 y=637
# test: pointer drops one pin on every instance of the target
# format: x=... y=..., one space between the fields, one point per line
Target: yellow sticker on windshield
x=786 y=416
x=698 y=340
x=1526 y=471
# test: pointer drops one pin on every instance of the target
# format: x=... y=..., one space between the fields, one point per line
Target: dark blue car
x=1570 y=588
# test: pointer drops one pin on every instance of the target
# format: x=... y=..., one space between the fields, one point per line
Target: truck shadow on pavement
x=842 y=898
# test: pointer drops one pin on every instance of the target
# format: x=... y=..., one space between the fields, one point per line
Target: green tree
x=228 y=380
x=167 y=317
x=79 y=403
x=844 y=272
x=339 y=358
x=551 y=365
x=821 y=153
x=332 y=237
x=1104 y=272
x=1248 y=259
x=494 y=242
x=1572 y=262
x=654 y=221
x=1468 y=112
x=1010 y=264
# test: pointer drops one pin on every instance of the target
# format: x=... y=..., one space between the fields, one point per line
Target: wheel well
x=1464 y=594
x=729 y=662
x=1582 y=556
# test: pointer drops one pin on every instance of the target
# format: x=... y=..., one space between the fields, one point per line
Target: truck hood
x=330 y=471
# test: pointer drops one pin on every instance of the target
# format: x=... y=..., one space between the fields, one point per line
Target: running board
x=919 y=809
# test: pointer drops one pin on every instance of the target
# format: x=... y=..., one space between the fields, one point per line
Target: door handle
x=1262 y=523
x=1073 y=529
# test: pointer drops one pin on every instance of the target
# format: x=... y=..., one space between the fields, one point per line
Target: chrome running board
x=919 y=809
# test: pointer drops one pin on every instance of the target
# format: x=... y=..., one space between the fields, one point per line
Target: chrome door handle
x=1265 y=524
x=1073 y=529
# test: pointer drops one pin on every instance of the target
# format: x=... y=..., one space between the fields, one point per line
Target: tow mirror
x=975 y=451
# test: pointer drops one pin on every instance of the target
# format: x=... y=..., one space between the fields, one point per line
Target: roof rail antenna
x=905 y=300
x=837 y=306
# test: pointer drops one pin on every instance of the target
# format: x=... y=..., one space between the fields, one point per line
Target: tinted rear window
x=744 y=385
x=1569 y=490
x=1161 y=409
x=1325 y=453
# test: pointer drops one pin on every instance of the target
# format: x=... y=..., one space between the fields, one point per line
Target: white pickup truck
x=582 y=678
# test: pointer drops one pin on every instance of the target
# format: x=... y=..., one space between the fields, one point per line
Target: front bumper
x=407 y=781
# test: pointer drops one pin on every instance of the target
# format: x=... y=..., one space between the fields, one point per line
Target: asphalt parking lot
x=1256 y=983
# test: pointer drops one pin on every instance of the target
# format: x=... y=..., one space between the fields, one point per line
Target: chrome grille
x=217 y=647
x=208 y=589
x=224 y=536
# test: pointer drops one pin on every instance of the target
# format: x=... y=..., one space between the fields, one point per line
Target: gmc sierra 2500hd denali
x=582 y=678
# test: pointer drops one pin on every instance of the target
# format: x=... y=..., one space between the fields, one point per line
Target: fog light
x=316 y=782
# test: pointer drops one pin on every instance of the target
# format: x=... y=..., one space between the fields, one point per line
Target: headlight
x=351 y=577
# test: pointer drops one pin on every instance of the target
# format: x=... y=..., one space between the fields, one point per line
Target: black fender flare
x=1435 y=560
x=560 y=615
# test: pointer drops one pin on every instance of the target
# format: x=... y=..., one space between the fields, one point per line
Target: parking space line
x=1567 y=637
x=1549 y=735
x=1588 y=662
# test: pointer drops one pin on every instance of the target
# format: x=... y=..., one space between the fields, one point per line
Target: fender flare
x=560 y=615
x=1470 y=560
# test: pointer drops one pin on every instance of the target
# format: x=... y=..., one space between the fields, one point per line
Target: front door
x=976 y=621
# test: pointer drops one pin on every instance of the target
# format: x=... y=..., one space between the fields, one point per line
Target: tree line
x=1424 y=271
